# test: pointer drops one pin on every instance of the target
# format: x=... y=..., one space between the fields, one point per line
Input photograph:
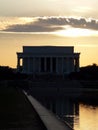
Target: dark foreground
x=16 y=112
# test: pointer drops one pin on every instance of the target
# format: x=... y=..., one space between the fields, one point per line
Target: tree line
x=89 y=72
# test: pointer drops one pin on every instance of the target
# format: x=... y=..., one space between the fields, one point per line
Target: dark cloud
x=31 y=28
x=83 y=23
x=50 y=24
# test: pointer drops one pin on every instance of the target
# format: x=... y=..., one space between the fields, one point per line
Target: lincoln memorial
x=57 y=60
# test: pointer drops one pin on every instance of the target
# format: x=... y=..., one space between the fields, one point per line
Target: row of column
x=48 y=64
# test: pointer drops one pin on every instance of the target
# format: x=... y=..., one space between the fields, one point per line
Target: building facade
x=48 y=60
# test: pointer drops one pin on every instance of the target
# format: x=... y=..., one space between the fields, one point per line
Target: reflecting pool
x=79 y=115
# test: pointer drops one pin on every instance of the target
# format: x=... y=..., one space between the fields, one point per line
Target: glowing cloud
x=65 y=26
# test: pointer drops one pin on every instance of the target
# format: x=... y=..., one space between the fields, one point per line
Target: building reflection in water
x=64 y=107
x=63 y=102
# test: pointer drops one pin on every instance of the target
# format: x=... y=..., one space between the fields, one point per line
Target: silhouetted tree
x=89 y=72
x=7 y=73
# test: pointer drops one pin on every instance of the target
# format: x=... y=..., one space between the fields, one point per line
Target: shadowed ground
x=16 y=112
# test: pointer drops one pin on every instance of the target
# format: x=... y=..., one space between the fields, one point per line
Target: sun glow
x=9 y=21
x=77 y=32
x=27 y=19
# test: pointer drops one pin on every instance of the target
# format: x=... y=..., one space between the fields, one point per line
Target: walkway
x=48 y=118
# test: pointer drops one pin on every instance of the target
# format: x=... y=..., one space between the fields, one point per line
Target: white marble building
x=48 y=60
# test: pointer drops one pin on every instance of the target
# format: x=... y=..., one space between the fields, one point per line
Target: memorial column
x=51 y=64
x=67 y=64
x=62 y=64
x=77 y=64
x=39 y=64
x=28 y=65
x=18 y=63
x=33 y=65
x=45 y=64
x=72 y=64
x=57 y=65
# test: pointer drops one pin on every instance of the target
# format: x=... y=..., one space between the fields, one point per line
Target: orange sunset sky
x=48 y=22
